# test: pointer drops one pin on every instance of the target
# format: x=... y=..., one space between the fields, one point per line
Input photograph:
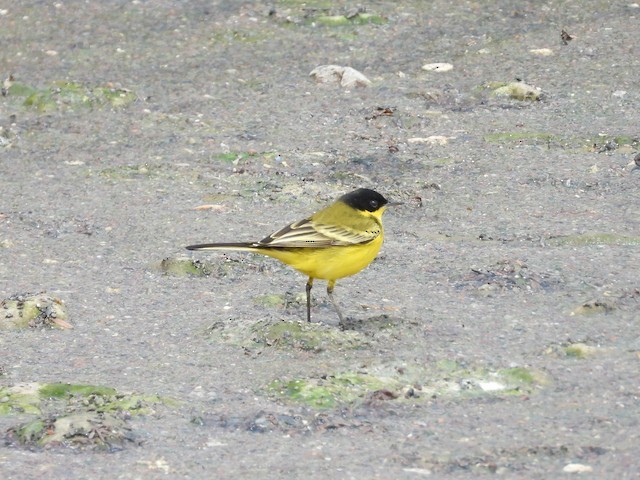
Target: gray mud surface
x=517 y=248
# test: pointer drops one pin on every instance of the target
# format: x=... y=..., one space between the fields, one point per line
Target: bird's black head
x=364 y=199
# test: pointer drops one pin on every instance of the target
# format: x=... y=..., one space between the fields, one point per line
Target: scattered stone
x=418 y=471
x=210 y=206
x=543 y=52
x=577 y=468
x=432 y=140
x=489 y=386
x=609 y=146
x=347 y=77
x=437 y=67
x=7 y=136
x=565 y=37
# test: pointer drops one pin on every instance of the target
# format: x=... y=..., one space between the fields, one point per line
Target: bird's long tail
x=248 y=247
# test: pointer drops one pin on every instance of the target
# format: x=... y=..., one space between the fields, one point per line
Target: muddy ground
x=517 y=248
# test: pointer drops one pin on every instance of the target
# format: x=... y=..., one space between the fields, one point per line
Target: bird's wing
x=307 y=233
x=343 y=235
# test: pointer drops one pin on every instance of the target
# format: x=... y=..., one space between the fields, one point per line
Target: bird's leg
x=330 y=285
x=309 y=285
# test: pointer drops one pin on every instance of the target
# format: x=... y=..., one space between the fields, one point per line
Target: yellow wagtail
x=335 y=242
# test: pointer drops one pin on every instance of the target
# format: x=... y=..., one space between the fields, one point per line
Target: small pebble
x=543 y=52
x=577 y=468
x=347 y=77
x=437 y=67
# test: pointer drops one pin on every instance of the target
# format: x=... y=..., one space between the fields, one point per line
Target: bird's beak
x=394 y=204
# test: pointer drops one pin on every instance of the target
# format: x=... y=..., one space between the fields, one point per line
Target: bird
x=336 y=242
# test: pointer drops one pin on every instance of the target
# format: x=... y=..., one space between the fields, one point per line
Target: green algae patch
x=270 y=300
x=20 y=399
x=286 y=335
x=103 y=431
x=602 y=143
x=64 y=390
x=114 y=97
x=63 y=95
x=131 y=404
x=447 y=365
x=34 y=398
x=29 y=432
x=519 y=137
x=599 y=143
x=345 y=388
x=408 y=384
x=182 y=267
x=304 y=336
x=515 y=90
x=501 y=382
x=74 y=415
x=33 y=310
x=362 y=18
x=592 y=239
x=21 y=90
x=581 y=350
x=278 y=300
x=522 y=377
x=232 y=157
x=574 y=350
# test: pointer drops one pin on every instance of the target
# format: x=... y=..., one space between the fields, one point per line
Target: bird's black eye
x=374 y=204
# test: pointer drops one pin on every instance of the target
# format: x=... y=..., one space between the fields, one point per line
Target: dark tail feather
x=223 y=246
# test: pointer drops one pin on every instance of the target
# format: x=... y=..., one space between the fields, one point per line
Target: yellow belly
x=330 y=263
